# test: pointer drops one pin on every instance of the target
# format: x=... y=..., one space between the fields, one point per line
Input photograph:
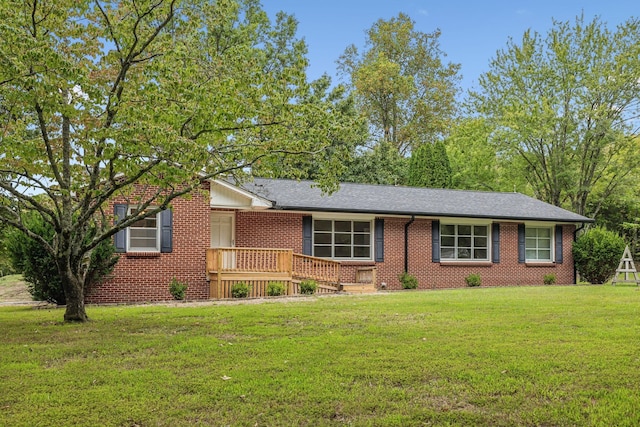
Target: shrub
x=308 y=287
x=38 y=267
x=473 y=280
x=549 y=279
x=275 y=289
x=408 y=281
x=240 y=290
x=597 y=253
x=177 y=289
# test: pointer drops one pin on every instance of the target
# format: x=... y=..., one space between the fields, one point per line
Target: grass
x=494 y=357
x=10 y=280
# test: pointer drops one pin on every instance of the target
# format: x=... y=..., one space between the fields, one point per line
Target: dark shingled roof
x=397 y=200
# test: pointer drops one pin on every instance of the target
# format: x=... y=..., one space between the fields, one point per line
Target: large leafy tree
x=142 y=99
x=429 y=166
x=401 y=83
x=566 y=104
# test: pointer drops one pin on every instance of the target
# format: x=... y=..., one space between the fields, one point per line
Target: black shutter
x=495 y=243
x=558 y=244
x=435 y=240
x=166 y=231
x=306 y=235
x=379 y=240
x=521 y=244
x=120 y=238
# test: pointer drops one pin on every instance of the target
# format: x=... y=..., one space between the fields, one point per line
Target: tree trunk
x=74 y=292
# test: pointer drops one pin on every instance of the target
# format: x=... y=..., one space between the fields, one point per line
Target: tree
x=143 y=100
x=476 y=163
x=401 y=83
x=567 y=105
x=381 y=164
x=429 y=166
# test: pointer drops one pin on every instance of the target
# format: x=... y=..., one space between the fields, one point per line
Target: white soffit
x=225 y=195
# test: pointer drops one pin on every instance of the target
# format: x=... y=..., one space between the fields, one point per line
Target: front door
x=222 y=235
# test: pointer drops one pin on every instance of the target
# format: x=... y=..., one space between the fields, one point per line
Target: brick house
x=439 y=236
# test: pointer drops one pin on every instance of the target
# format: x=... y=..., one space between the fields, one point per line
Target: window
x=144 y=235
x=464 y=242
x=342 y=239
x=538 y=243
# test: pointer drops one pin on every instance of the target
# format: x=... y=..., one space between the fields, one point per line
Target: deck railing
x=257 y=267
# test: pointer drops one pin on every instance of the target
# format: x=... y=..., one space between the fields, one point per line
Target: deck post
x=219 y=272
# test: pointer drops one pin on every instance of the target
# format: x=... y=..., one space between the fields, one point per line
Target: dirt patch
x=13 y=289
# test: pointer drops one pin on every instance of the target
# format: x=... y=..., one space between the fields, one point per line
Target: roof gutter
x=406 y=243
x=575 y=270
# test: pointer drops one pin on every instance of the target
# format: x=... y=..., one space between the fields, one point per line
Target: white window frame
x=130 y=248
x=333 y=244
x=537 y=239
x=473 y=237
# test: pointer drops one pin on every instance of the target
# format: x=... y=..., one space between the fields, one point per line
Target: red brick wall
x=451 y=275
x=146 y=278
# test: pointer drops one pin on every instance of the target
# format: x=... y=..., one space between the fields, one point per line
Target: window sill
x=467 y=263
x=540 y=264
x=367 y=263
x=142 y=254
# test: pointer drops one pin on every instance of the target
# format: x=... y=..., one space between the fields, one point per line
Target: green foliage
x=100 y=98
x=40 y=269
x=549 y=279
x=276 y=289
x=240 y=290
x=401 y=83
x=429 y=166
x=473 y=280
x=597 y=253
x=381 y=165
x=565 y=105
x=408 y=281
x=308 y=287
x=177 y=289
x=6 y=266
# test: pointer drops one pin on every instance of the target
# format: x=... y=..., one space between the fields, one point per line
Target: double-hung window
x=144 y=234
x=464 y=242
x=342 y=239
x=538 y=243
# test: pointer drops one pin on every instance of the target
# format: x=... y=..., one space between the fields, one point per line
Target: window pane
x=322 y=225
x=447 y=230
x=544 y=243
x=322 y=251
x=343 y=252
x=480 y=230
x=531 y=243
x=342 y=239
x=138 y=243
x=480 y=242
x=148 y=233
x=480 y=254
x=464 y=242
x=342 y=226
x=531 y=232
x=448 y=241
x=544 y=232
x=361 y=251
x=447 y=253
x=464 y=253
x=464 y=230
x=361 y=239
x=322 y=238
x=544 y=255
x=531 y=254
x=146 y=222
x=362 y=226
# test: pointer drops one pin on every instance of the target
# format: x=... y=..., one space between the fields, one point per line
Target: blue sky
x=472 y=31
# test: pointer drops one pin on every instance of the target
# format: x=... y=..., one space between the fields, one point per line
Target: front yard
x=501 y=356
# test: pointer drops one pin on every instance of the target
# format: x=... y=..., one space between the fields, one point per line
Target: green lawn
x=511 y=356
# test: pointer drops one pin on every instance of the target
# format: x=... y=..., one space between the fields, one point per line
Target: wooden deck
x=257 y=267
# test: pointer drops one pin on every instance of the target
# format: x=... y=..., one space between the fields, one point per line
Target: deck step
x=358 y=288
